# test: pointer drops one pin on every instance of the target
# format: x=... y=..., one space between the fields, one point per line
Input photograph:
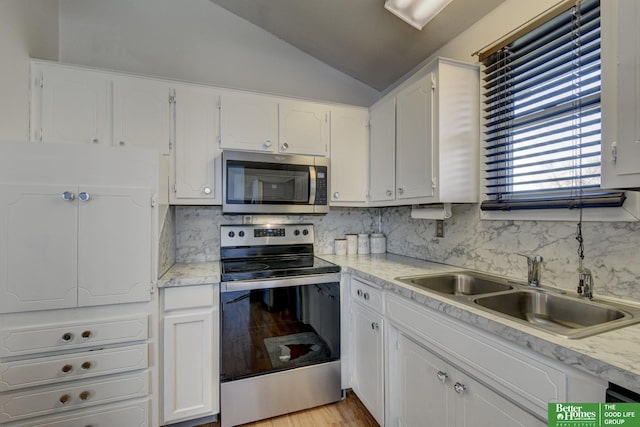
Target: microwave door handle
x=313 y=181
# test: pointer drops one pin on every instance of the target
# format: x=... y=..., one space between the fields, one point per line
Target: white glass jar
x=340 y=246
x=352 y=244
x=363 y=244
x=378 y=243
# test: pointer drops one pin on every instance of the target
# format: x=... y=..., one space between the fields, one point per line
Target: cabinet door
x=38 y=254
x=197 y=152
x=188 y=365
x=382 y=151
x=304 y=128
x=367 y=358
x=349 y=158
x=114 y=245
x=423 y=384
x=141 y=113
x=414 y=140
x=74 y=106
x=248 y=122
x=479 y=406
x=620 y=94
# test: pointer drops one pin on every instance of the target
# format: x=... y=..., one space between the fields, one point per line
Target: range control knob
x=232 y=234
x=241 y=234
x=296 y=233
x=305 y=232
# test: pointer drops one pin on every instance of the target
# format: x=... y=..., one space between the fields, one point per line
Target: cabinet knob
x=86 y=334
x=65 y=398
x=86 y=365
x=68 y=196
x=84 y=197
x=389 y=192
x=67 y=336
x=122 y=143
x=67 y=368
x=442 y=376
x=267 y=143
x=459 y=388
x=95 y=140
x=336 y=195
x=400 y=190
x=206 y=190
x=285 y=146
x=375 y=326
x=366 y=296
x=85 y=395
x=359 y=292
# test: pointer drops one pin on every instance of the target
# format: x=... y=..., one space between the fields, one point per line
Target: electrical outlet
x=439 y=228
x=247 y=219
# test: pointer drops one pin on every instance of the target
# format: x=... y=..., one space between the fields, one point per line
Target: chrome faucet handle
x=533 y=269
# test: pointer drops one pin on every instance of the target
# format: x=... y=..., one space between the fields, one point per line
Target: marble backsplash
x=611 y=248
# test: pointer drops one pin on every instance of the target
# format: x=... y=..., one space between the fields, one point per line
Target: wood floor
x=349 y=412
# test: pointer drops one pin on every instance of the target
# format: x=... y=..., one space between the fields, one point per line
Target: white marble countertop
x=613 y=356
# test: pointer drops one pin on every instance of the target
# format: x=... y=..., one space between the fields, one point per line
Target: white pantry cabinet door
x=38 y=253
x=382 y=151
x=414 y=140
x=114 y=245
x=74 y=105
x=248 y=122
x=197 y=152
x=141 y=113
x=304 y=128
x=349 y=155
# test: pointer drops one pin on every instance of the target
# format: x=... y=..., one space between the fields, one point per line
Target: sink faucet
x=534 y=269
x=585 y=283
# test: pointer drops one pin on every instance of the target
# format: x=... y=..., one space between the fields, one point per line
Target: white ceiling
x=359 y=37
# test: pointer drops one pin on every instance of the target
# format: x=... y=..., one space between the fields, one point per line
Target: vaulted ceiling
x=359 y=37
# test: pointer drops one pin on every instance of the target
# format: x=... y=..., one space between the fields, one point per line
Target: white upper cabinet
x=304 y=128
x=382 y=150
x=197 y=176
x=349 y=155
x=248 y=122
x=620 y=94
x=70 y=106
x=141 y=113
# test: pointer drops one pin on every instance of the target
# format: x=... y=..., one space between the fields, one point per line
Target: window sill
x=630 y=212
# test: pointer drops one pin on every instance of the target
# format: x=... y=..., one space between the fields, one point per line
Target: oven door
x=269 y=326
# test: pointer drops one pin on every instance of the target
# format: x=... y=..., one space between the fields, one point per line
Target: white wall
x=197 y=40
x=28 y=28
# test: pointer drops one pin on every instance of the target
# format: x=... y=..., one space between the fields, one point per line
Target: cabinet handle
x=86 y=334
x=459 y=388
x=359 y=292
x=389 y=192
x=400 y=190
x=366 y=296
x=206 y=190
x=285 y=146
x=68 y=196
x=375 y=326
x=84 y=197
x=336 y=195
x=64 y=398
x=67 y=368
x=86 y=365
x=85 y=395
x=267 y=143
x=95 y=140
x=442 y=376
x=67 y=336
x=122 y=143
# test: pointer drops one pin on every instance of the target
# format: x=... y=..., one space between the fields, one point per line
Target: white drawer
x=188 y=297
x=54 y=369
x=125 y=415
x=47 y=338
x=366 y=295
x=46 y=400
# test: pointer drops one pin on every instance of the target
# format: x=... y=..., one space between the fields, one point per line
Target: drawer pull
x=86 y=334
x=86 y=365
x=67 y=368
x=65 y=398
x=67 y=336
x=85 y=395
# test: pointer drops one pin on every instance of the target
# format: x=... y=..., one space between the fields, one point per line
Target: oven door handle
x=313 y=185
x=282 y=282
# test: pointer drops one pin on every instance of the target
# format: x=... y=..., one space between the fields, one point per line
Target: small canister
x=340 y=246
x=378 y=243
x=363 y=244
x=352 y=244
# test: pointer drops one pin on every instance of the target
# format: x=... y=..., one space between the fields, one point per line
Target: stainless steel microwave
x=265 y=183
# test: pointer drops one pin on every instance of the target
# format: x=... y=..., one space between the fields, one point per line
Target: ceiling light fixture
x=416 y=12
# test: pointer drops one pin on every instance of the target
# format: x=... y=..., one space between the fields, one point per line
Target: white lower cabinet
x=367 y=341
x=190 y=353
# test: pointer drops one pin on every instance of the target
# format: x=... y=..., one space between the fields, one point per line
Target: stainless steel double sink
x=541 y=308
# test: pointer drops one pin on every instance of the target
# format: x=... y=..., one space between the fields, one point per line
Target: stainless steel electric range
x=280 y=323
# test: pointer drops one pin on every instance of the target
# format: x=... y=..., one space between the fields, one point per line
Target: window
x=542 y=115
